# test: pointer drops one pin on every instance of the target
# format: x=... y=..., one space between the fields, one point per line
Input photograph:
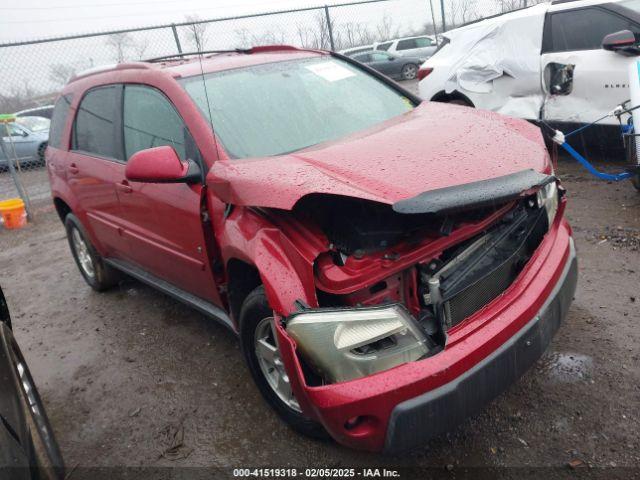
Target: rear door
x=163 y=222
x=95 y=163
x=583 y=82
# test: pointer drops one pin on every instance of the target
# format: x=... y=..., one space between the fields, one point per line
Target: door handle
x=73 y=169
x=124 y=187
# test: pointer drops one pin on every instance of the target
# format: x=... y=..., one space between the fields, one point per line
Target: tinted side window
x=423 y=42
x=380 y=57
x=150 y=120
x=407 y=44
x=59 y=120
x=95 y=130
x=384 y=46
x=363 y=57
x=584 y=29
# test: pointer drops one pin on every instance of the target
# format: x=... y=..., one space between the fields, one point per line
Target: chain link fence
x=34 y=71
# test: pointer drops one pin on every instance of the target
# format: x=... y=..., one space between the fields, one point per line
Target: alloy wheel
x=271 y=364
x=82 y=252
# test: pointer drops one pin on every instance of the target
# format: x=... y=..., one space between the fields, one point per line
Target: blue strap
x=601 y=175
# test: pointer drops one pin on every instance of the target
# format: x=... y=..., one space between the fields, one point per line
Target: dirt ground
x=125 y=373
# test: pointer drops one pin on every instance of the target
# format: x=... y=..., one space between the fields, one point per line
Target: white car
x=422 y=46
x=542 y=63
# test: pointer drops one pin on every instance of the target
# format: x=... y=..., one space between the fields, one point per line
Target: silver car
x=29 y=137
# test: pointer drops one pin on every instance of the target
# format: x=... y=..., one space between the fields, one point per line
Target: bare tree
x=120 y=43
x=355 y=34
x=386 y=29
x=18 y=98
x=305 y=36
x=140 y=47
x=60 y=73
x=196 y=32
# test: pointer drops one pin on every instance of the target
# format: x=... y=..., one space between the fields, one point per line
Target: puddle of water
x=567 y=367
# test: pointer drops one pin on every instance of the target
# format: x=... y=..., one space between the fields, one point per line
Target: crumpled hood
x=432 y=147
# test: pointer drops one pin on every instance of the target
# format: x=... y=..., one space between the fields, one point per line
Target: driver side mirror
x=161 y=165
x=623 y=42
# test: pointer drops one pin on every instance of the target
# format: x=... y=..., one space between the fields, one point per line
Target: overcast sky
x=29 y=19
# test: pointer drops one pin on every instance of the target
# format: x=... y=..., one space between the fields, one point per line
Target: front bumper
x=419 y=419
x=406 y=405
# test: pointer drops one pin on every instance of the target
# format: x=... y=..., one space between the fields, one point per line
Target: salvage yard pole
x=329 y=28
x=444 y=23
x=4 y=132
x=176 y=37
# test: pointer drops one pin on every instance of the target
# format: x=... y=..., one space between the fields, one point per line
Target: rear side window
x=407 y=44
x=96 y=127
x=59 y=120
x=384 y=46
x=584 y=29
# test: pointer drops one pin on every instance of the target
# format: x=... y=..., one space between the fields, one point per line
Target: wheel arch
x=62 y=208
x=242 y=278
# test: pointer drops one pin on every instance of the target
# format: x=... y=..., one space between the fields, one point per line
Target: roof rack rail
x=256 y=49
x=190 y=54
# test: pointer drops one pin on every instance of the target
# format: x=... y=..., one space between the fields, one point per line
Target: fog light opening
x=353 y=422
x=360 y=425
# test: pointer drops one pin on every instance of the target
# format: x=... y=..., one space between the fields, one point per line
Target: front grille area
x=487 y=274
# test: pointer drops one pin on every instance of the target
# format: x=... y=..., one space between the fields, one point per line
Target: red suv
x=389 y=265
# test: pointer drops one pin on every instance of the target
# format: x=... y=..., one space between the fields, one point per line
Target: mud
x=131 y=377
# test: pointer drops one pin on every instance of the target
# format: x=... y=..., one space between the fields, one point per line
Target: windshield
x=282 y=107
x=35 y=124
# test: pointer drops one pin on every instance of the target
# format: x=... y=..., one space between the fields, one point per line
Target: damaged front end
x=392 y=285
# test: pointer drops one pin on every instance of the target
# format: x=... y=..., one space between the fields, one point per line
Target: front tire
x=95 y=272
x=261 y=352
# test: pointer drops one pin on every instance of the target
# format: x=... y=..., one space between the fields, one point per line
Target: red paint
x=423 y=72
x=159 y=164
x=159 y=226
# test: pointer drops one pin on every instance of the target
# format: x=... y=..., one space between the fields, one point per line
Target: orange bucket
x=13 y=213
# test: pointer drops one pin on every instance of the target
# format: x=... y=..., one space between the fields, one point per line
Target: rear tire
x=256 y=320
x=41 y=150
x=409 y=71
x=95 y=272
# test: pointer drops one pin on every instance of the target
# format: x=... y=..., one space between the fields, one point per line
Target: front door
x=583 y=82
x=162 y=222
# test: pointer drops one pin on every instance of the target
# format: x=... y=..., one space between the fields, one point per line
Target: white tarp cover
x=506 y=45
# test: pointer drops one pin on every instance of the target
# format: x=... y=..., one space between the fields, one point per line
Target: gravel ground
x=125 y=373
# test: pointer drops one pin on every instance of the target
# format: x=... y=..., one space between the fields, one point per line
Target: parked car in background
x=422 y=46
x=28 y=448
x=545 y=63
x=29 y=145
x=45 y=112
x=386 y=276
x=349 y=52
x=394 y=66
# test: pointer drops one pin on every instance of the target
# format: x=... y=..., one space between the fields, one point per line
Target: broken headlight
x=344 y=344
x=548 y=198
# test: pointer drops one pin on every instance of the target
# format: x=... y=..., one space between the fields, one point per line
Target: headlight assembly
x=548 y=198
x=344 y=344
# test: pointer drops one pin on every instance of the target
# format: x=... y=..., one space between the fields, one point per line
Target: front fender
x=285 y=271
